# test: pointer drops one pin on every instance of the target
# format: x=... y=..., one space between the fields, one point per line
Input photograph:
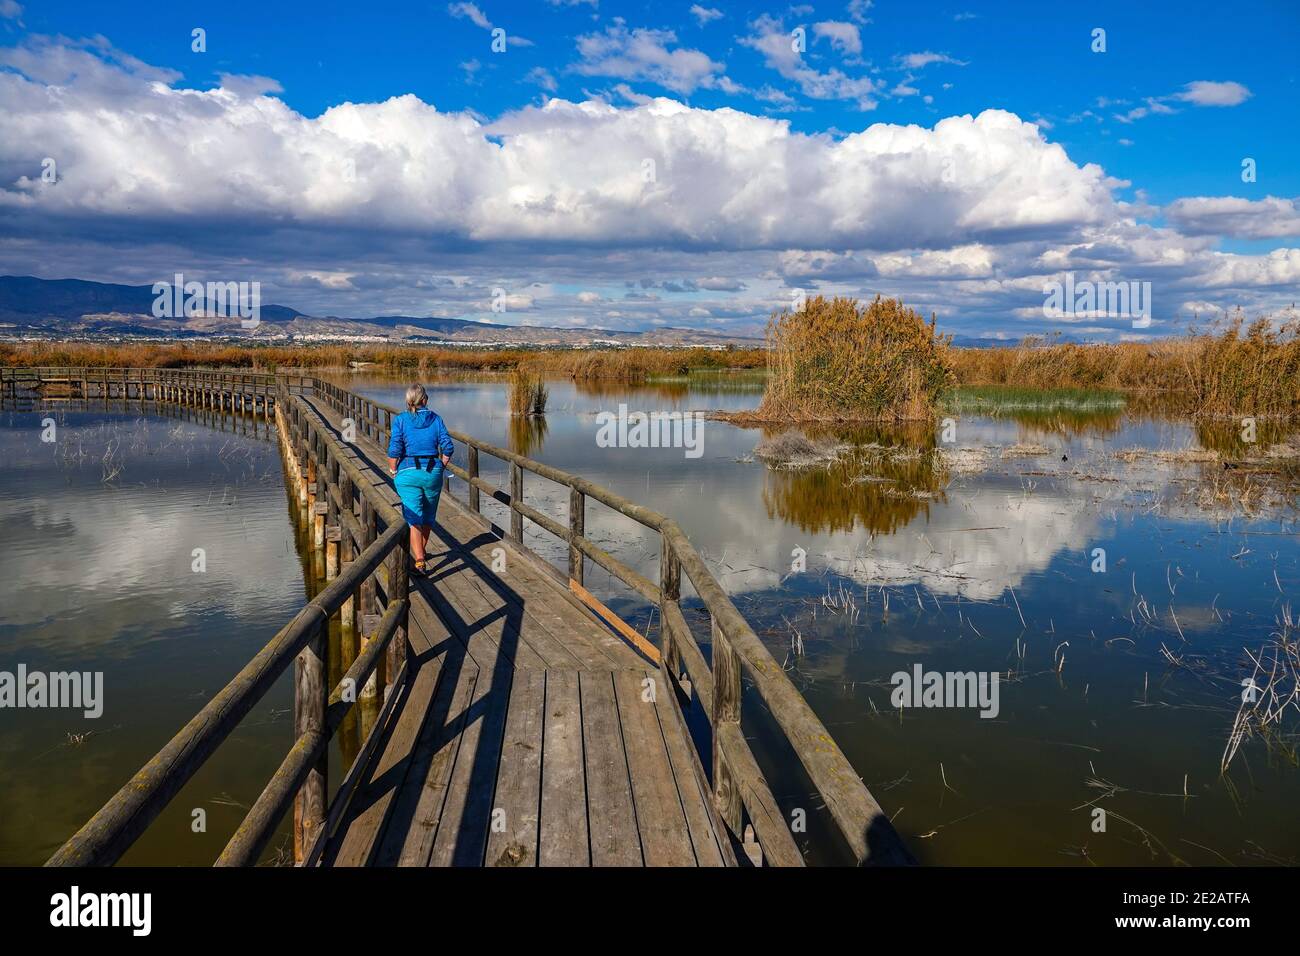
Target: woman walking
x=419 y=450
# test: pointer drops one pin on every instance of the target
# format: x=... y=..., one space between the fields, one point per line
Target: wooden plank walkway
x=514 y=726
x=526 y=732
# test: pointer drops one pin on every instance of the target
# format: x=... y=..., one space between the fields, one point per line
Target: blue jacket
x=418 y=438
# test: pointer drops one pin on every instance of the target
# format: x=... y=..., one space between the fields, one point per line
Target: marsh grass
x=630 y=365
x=794 y=449
x=839 y=360
x=836 y=359
x=1273 y=690
x=1233 y=369
x=528 y=394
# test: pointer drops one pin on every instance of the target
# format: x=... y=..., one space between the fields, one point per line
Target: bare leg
x=425 y=531
x=417 y=543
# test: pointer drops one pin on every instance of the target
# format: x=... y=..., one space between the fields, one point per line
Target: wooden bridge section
x=519 y=722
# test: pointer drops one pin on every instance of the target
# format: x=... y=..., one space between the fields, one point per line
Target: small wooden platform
x=527 y=732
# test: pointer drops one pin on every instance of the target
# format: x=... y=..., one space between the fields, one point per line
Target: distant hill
x=76 y=307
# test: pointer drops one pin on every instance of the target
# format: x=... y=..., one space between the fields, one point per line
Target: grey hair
x=416 y=397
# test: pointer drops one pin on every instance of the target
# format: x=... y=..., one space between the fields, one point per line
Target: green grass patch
x=1007 y=399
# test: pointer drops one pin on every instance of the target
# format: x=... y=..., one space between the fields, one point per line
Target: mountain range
x=62 y=308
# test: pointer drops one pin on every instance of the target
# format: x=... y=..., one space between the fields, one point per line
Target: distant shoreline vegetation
x=1233 y=370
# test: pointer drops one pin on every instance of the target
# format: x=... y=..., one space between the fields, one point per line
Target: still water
x=980 y=554
x=153 y=546
x=1118 y=687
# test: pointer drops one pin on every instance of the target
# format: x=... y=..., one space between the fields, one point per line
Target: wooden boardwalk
x=513 y=720
x=524 y=706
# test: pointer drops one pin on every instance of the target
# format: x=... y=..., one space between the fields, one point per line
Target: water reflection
x=979 y=555
x=1101 y=423
x=1232 y=438
x=527 y=434
x=152 y=544
x=884 y=477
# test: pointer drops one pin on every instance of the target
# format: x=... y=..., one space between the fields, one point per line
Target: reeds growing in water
x=839 y=360
x=528 y=393
x=1233 y=370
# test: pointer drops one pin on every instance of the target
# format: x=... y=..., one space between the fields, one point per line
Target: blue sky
x=1031 y=155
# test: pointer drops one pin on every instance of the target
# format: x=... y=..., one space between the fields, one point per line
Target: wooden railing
x=740 y=789
x=250 y=392
x=360 y=533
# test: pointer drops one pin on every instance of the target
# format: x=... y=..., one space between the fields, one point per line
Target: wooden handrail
x=111 y=831
x=116 y=826
x=259 y=825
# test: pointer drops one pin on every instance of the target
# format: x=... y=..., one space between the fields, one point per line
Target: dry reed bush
x=839 y=360
x=528 y=393
x=1257 y=373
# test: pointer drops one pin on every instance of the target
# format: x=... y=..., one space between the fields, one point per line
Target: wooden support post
x=333 y=540
x=318 y=512
x=472 y=470
x=369 y=625
x=304 y=466
x=577 y=529
x=309 y=460
x=726 y=709
x=311 y=696
x=516 y=499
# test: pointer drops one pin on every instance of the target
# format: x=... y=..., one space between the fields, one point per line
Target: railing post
x=670 y=589
x=368 y=609
x=398 y=590
x=333 y=523
x=577 y=529
x=726 y=709
x=516 y=499
x=347 y=551
x=307 y=455
x=311 y=695
x=321 y=508
x=472 y=470
x=300 y=451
